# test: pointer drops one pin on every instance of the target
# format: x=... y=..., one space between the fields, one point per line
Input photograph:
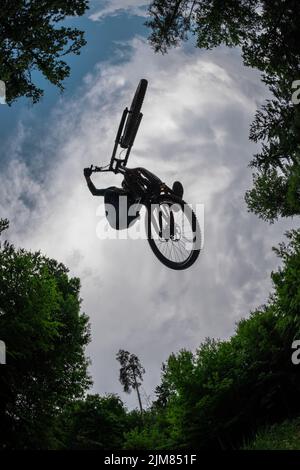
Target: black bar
x=117 y=141
x=121 y=125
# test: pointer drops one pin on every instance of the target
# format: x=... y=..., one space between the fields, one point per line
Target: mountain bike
x=172 y=228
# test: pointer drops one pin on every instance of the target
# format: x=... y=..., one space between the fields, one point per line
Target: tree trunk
x=138 y=393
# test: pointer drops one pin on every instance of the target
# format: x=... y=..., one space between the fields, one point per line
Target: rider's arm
x=95 y=192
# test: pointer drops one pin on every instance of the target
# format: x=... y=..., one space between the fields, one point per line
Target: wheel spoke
x=177 y=241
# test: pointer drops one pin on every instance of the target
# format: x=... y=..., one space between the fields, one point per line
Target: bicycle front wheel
x=134 y=115
x=173 y=232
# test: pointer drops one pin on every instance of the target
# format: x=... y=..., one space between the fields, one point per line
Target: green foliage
x=170 y=23
x=150 y=437
x=218 y=397
x=212 y=21
x=151 y=432
x=283 y=436
x=94 y=423
x=276 y=190
x=45 y=336
x=286 y=281
x=266 y=33
x=31 y=41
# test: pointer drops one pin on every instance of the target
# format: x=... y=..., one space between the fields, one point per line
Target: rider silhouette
x=112 y=198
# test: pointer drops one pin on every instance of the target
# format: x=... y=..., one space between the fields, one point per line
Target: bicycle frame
x=115 y=163
x=142 y=177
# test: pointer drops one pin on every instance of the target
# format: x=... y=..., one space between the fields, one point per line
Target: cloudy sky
x=197 y=113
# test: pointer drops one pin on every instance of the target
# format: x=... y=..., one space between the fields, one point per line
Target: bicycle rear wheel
x=173 y=232
x=134 y=116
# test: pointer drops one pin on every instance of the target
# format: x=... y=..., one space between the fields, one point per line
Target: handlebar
x=108 y=167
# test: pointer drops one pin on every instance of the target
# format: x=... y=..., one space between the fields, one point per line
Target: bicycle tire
x=133 y=117
x=196 y=228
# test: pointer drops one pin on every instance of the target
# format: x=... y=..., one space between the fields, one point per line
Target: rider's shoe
x=178 y=189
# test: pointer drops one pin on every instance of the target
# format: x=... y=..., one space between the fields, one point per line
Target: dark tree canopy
x=267 y=33
x=217 y=397
x=33 y=38
x=131 y=372
x=95 y=422
x=276 y=190
x=266 y=30
x=4 y=224
x=45 y=335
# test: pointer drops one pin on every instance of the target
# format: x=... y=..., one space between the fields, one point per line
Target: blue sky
x=197 y=113
x=102 y=37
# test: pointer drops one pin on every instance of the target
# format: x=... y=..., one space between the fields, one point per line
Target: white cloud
x=195 y=128
x=104 y=8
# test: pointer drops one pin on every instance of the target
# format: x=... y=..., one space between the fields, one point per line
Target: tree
x=276 y=190
x=131 y=373
x=45 y=335
x=4 y=224
x=93 y=423
x=218 y=397
x=31 y=41
x=266 y=32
